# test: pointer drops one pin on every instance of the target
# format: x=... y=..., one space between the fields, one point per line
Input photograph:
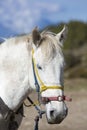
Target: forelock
x=49 y=46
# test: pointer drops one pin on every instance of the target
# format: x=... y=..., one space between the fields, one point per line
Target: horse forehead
x=46 y=50
x=49 y=48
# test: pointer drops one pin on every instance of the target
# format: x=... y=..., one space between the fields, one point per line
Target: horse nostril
x=52 y=113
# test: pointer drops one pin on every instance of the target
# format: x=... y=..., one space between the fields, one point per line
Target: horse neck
x=16 y=65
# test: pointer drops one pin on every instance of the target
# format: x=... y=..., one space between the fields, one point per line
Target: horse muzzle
x=55 y=117
x=56 y=111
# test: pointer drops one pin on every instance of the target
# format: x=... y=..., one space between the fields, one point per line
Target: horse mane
x=49 y=44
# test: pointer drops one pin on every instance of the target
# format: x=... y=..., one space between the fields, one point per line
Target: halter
x=40 y=86
x=38 y=81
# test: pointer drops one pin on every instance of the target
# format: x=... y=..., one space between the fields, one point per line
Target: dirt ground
x=77 y=116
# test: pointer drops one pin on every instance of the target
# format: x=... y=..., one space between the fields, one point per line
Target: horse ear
x=36 y=37
x=61 y=36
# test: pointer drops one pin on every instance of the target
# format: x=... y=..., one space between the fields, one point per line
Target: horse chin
x=54 y=121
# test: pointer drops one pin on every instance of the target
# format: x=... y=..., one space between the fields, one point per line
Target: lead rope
x=36 y=123
x=37 y=120
x=40 y=113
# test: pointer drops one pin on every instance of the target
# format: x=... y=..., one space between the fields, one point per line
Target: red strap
x=59 y=98
x=68 y=98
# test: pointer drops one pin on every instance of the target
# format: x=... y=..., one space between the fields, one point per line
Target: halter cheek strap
x=38 y=82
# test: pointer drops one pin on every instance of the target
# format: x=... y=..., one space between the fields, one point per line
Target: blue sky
x=21 y=16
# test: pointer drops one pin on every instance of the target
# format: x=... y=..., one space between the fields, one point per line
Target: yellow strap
x=42 y=86
x=36 y=71
x=32 y=52
x=29 y=105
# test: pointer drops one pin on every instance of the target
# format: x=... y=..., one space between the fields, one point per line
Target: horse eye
x=39 y=67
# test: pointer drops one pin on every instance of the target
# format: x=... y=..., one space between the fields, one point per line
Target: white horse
x=17 y=77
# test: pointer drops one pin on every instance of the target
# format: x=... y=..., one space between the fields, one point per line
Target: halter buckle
x=60 y=98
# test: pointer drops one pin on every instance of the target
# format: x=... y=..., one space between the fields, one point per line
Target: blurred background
x=21 y=16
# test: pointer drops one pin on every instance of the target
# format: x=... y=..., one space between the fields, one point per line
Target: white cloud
x=51 y=7
x=22 y=15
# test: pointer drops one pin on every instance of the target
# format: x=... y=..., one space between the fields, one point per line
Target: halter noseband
x=40 y=86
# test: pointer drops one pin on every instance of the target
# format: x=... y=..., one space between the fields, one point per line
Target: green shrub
x=71 y=60
x=80 y=72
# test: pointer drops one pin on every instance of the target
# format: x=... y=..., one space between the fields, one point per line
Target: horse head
x=49 y=65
